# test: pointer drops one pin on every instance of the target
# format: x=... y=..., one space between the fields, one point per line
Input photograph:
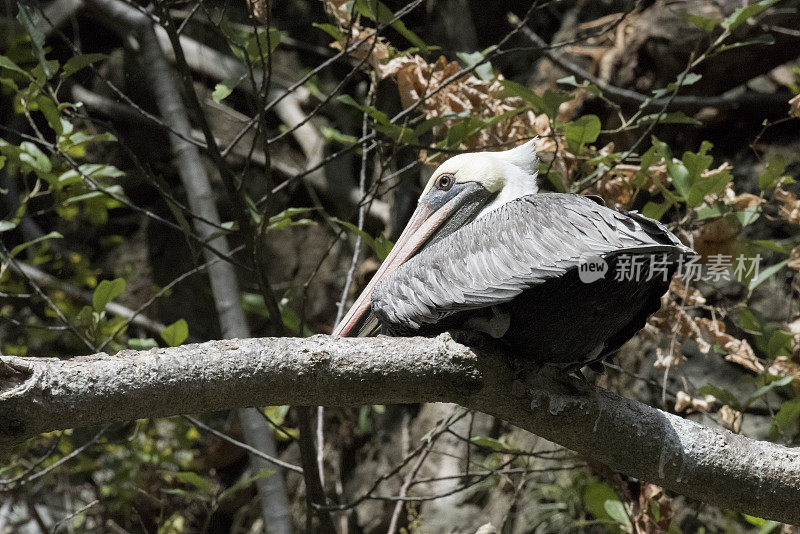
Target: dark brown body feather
x=522 y=259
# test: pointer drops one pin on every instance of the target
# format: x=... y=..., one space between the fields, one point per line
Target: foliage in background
x=62 y=179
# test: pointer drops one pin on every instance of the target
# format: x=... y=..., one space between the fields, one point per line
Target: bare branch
x=627 y=96
x=711 y=465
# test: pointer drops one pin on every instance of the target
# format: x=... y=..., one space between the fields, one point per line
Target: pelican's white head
x=507 y=175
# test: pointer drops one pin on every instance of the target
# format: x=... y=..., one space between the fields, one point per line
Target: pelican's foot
x=471 y=338
x=570 y=381
x=496 y=326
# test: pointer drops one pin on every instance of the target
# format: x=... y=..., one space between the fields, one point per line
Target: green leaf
x=513 y=89
x=595 y=498
x=428 y=124
x=379 y=116
x=707 y=185
x=708 y=212
x=570 y=80
x=648 y=159
x=383 y=15
x=330 y=29
x=285 y=219
x=86 y=316
x=105 y=192
x=28 y=18
x=332 y=135
x=262 y=44
x=484 y=71
x=176 y=333
x=764 y=39
x=779 y=344
x=583 y=130
x=698 y=162
x=680 y=175
x=656 y=210
x=705 y=24
x=80 y=61
x=401 y=134
x=245 y=483
x=5 y=226
x=380 y=245
x=763 y=390
x=750 y=320
x=493 y=444
x=765 y=274
x=93 y=170
x=675 y=117
x=748 y=215
x=105 y=292
x=146 y=343
x=689 y=79
x=34 y=157
x=616 y=510
x=738 y=17
x=19 y=248
x=784 y=246
x=788 y=414
x=776 y=165
x=765 y=526
x=383 y=124
x=193 y=479
x=225 y=88
x=10 y=65
x=552 y=100
x=50 y=112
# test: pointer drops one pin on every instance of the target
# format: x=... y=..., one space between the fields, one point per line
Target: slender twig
x=409 y=479
x=271 y=459
x=315 y=493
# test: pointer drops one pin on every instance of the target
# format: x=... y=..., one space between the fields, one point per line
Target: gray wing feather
x=519 y=245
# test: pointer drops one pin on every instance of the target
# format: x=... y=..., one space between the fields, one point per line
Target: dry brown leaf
x=685 y=403
x=643 y=519
x=667 y=359
x=617 y=186
x=739 y=351
x=794 y=107
x=745 y=201
x=480 y=98
x=730 y=418
x=785 y=366
x=716 y=236
x=260 y=9
x=673 y=319
x=790 y=209
x=417 y=80
x=794 y=259
x=690 y=296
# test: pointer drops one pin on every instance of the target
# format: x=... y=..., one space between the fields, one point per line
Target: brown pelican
x=485 y=251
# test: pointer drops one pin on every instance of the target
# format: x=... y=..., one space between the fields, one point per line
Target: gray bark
x=711 y=465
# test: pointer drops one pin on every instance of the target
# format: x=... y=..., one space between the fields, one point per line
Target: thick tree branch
x=714 y=466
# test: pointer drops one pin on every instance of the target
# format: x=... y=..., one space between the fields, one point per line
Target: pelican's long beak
x=424 y=222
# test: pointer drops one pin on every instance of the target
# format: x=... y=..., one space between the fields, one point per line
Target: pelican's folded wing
x=519 y=245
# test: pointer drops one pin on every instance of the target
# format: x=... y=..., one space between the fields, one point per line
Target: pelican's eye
x=445 y=182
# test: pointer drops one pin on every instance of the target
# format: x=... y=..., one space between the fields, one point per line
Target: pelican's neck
x=515 y=186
